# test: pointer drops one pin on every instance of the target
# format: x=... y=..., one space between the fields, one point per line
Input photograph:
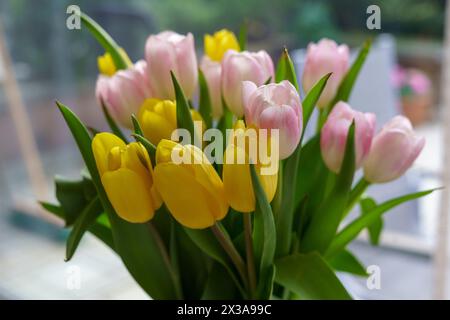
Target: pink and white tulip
x=256 y=67
x=322 y=58
x=124 y=92
x=213 y=74
x=170 y=51
x=393 y=151
x=334 y=133
x=275 y=106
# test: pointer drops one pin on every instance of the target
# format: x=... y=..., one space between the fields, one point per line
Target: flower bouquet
x=219 y=196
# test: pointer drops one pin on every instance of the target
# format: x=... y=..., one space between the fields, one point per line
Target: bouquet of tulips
x=219 y=196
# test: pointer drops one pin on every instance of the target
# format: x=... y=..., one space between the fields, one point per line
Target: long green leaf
x=105 y=41
x=145 y=262
x=83 y=222
x=243 y=36
x=207 y=242
x=136 y=125
x=219 y=285
x=71 y=197
x=310 y=277
x=367 y=204
x=345 y=261
x=184 y=117
x=150 y=147
x=346 y=85
x=324 y=223
x=205 y=107
x=264 y=235
x=286 y=70
x=354 y=228
x=312 y=97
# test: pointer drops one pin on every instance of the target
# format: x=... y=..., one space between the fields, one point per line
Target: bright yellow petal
x=237 y=182
x=269 y=184
x=185 y=198
x=129 y=195
x=101 y=146
x=106 y=64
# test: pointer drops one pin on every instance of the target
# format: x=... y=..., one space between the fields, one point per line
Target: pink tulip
x=322 y=58
x=275 y=106
x=170 y=51
x=256 y=67
x=213 y=73
x=124 y=92
x=393 y=151
x=334 y=133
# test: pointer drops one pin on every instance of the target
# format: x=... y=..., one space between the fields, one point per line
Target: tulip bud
x=333 y=137
x=124 y=92
x=213 y=74
x=217 y=44
x=158 y=119
x=106 y=64
x=193 y=192
x=170 y=51
x=393 y=151
x=275 y=106
x=236 y=171
x=127 y=177
x=241 y=66
x=322 y=58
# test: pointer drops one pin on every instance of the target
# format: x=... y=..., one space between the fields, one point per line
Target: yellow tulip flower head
x=158 y=119
x=236 y=171
x=127 y=177
x=192 y=190
x=216 y=45
x=106 y=64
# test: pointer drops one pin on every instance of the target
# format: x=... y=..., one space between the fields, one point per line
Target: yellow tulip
x=193 y=192
x=216 y=45
x=158 y=119
x=127 y=177
x=236 y=175
x=106 y=64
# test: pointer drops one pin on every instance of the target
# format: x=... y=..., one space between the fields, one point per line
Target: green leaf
x=310 y=277
x=354 y=228
x=87 y=217
x=264 y=234
x=286 y=70
x=112 y=124
x=136 y=125
x=145 y=262
x=325 y=222
x=280 y=72
x=184 y=117
x=207 y=242
x=190 y=257
x=345 y=261
x=205 y=108
x=219 y=285
x=367 y=204
x=56 y=209
x=70 y=195
x=105 y=41
x=346 y=85
x=243 y=36
x=150 y=147
x=102 y=232
x=312 y=97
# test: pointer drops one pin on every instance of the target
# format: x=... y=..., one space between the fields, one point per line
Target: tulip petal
x=185 y=198
x=129 y=195
x=101 y=145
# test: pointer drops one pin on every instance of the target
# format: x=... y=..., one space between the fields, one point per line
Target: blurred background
x=402 y=75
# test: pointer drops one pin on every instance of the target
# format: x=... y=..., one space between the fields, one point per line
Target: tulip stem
x=230 y=249
x=355 y=194
x=249 y=251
